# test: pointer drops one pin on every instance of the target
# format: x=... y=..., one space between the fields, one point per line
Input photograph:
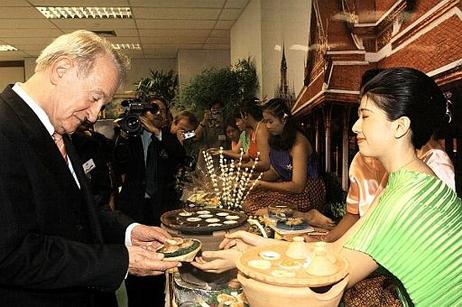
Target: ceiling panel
x=15 y=23
x=162 y=27
x=236 y=4
x=13 y=3
x=19 y=12
x=175 y=24
x=217 y=40
x=224 y=24
x=5 y=33
x=79 y=3
x=30 y=40
x=175 y=13
x=172 y=40
x=94 y=24
x=230 y=14
x=180 y=33
x=219 y=33
x=178 y=3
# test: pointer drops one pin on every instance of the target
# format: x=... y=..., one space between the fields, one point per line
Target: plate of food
x=292 y=223
x=179 y=249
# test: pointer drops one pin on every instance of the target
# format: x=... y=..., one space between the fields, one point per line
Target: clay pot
x=298 y=249
x=261 y=294
x=323 y=262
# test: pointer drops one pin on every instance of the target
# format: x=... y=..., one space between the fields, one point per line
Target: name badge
x=222 y=137
x=88 y=166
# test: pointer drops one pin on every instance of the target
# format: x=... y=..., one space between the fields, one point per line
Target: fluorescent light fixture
x=68 y=12
x=131 y=46
x=7 y=48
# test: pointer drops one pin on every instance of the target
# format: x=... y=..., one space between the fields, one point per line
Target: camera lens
x=133 y=124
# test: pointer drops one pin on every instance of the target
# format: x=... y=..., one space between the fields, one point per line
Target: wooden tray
x=301 y=277
x=174 y=220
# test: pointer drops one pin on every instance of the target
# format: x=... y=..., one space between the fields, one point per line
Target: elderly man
x=56 y=248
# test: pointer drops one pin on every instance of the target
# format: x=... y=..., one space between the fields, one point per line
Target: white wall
x=261 y=31
x=193 y=62
x=246 y=37
x=10 y=75
x=140 y=68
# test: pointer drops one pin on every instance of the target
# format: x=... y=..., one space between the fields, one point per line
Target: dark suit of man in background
x=56 y=249
x=148 y=164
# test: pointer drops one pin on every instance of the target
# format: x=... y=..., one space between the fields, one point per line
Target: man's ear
x=401 y=126
x=59 y=68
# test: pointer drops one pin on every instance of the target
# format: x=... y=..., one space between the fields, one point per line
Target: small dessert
x=185 y=213
x=206 y=216
x=213 y=220
x=232 y=217
x=292 y=223
x=230 y=222
x=259 y=264
x=289 y=264
x=203 y=212
x=270 y=255
x=222 y=213
x=193 y=219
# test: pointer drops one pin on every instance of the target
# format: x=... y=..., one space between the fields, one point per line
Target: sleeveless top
x=281 y=161
x=253 y=149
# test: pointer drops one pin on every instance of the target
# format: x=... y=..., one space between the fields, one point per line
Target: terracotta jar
x=261 y=294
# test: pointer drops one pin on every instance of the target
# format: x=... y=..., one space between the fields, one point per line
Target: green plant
x=160 y=84
x=229 y=85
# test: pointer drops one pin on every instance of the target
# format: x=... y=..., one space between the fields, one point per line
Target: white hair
x=84 y=47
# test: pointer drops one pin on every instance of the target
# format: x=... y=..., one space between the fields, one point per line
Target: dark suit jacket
x=51 y=235
x=129 y=158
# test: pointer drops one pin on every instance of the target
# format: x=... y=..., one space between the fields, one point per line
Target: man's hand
x=148 y=124
x=143 y=262
x=217 y=261
x=149 y=237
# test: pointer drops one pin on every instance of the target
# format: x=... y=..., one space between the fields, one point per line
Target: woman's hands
x=231 y=247
x=217 y=261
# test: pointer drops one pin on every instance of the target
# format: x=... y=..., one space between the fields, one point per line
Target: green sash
x=415 y=232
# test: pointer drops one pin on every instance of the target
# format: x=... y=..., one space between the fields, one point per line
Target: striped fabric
x=415 y=232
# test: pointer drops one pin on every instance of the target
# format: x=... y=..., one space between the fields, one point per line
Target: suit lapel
x=39 y=139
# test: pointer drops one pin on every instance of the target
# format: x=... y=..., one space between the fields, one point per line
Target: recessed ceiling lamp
x=7 y=48
x=132 y=46
x=67 y=12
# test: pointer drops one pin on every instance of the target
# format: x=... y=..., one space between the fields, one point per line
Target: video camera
x=130 y=122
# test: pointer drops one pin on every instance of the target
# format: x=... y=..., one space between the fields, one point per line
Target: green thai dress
x=415 y=232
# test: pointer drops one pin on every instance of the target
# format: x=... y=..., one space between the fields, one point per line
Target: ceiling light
x=131 y=46
x=7 y=48
x=65 y=12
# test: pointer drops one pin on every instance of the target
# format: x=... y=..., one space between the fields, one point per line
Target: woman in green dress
x=414 y=229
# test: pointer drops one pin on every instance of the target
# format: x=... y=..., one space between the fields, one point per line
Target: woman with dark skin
x=413 y=229
x=293 y=176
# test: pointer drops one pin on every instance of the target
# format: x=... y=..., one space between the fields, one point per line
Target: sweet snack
x=292 y=223
x=270 y=255
x=178 y=249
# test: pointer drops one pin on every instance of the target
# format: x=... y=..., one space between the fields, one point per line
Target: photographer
x=148 y=161
x=184 y=125
x=210 y=132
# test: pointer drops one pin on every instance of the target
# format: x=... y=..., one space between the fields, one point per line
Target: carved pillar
x=327 y=115
x=345 y=147
x=317 y=135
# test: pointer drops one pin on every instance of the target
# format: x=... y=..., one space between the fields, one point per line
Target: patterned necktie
x=58 y=138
